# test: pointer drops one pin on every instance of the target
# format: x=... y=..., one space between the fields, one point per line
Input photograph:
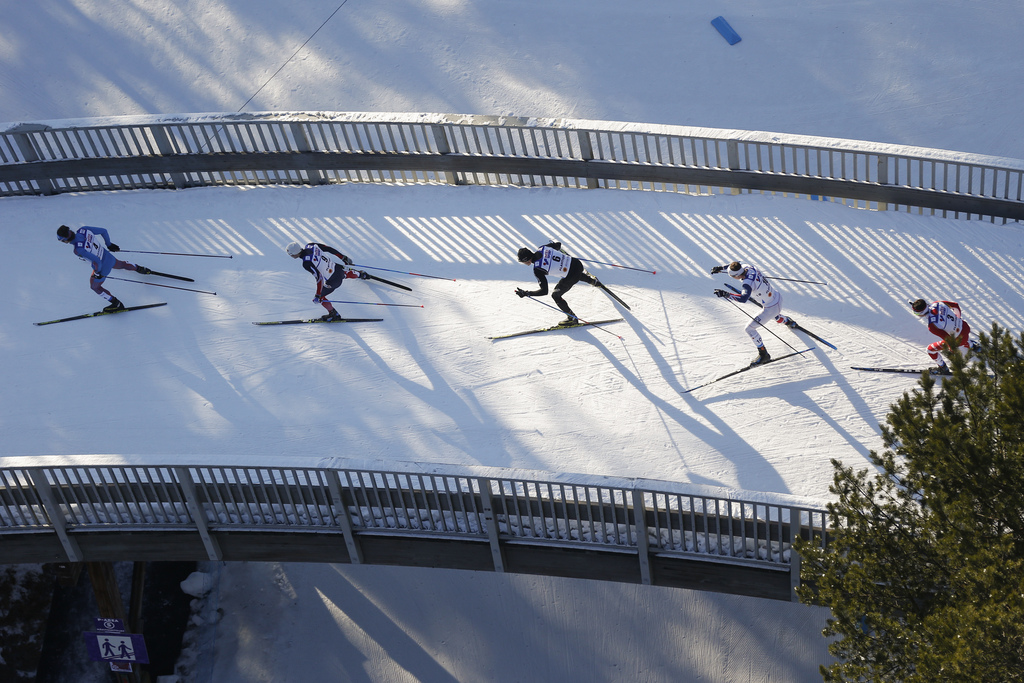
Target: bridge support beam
x=643 y=550
x=355 y=553
x=188 y=489
x=55 y=514
x=492 y=524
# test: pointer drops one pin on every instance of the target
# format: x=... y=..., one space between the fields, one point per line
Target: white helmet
x=736 y=269
x=293 y=249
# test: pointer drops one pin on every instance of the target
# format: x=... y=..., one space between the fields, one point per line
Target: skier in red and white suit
x=945 y=322
x=316 y=259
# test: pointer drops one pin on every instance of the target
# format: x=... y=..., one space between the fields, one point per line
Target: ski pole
x=789 y=279
x=616 y=265
x=354 y=265
x=154 y=284
x=174 y=253
x=372 y=303
x=761 y=324
x=579 y=319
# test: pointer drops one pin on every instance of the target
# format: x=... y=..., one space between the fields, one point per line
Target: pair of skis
x=745 y=369
x=339 y=320
x=554 y=328
x=97 y=314
x=579 y=323
x=907 y=371
x=154 y=305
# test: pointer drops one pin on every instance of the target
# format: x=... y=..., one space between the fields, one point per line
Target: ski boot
x=942 y=370
x=142 y=270
x=114 y=305
x=762 y=356
x=785 y=320
x=331 y=317
x=569 y=321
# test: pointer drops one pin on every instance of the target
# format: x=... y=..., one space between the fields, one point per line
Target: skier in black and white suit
x=551 y=260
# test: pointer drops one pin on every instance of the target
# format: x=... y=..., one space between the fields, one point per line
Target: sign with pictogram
x=116 y=647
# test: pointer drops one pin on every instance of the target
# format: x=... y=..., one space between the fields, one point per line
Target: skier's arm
x=102 y=232
x=95 y=261
x=954 y=306
x=315 y=273
x=542 y=278
x=938 y=332
x=331 y=250
x=742 y=297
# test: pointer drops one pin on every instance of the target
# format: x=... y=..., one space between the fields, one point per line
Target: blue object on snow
x=727 y=31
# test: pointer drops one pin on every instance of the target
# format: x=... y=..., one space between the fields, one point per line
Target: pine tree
x=924 y=569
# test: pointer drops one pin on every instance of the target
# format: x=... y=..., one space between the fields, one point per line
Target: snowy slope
x=425 y=385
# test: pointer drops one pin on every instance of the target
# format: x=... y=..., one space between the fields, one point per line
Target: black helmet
x=919 y=306
x=64 y=233
x=525 y=254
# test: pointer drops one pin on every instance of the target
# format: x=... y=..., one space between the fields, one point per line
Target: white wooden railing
x=307 y=148
x=65 y=509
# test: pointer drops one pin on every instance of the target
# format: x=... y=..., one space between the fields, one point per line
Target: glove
x=363 y=275
x=722 y=294
x=521 y=292
x=318 y=299
x=346 y=260
x=717 y=269
x=96 y=276
x=113 y=247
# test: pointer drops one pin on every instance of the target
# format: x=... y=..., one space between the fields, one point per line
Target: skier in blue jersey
x=93 y=244
x=754 y=285
x=316 y=259
x=552 y=260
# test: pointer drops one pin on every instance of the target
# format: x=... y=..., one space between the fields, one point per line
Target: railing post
x=587 y=154
x=164 y=146
x=41 y=485
x=188 y=489
x=642 y=543
x=883 y=177
x=302 y=142
x=732 y=153
x=491 y=523
x=28 y=151
x=732 y=160
x=355 y=553
x=443 y=147
x=794 y=556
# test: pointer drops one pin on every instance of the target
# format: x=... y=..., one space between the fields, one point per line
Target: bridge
x=608 y=529
x=617 y=530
